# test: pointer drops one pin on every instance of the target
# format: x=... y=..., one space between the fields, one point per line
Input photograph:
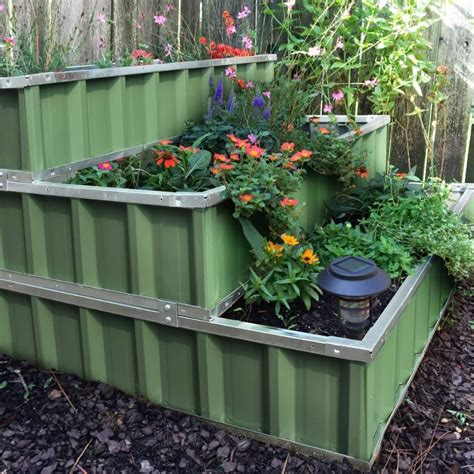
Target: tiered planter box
x=55 y=120
x=330 y=394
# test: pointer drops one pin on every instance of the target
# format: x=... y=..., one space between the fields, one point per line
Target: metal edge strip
x=185 y=200
x=21 y=82
x=369 y=123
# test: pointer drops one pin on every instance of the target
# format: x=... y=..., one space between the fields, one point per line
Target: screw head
x=168 y=319
x=167 y=307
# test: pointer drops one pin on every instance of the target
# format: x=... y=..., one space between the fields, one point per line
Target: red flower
x=167 y=159
x=289 y=202
x=241 y=83
x=221 y=157
x=287 y=147
x=362 y=172
x=225 y=14
x=227 y=167
x=104 y=166
x=203 y=40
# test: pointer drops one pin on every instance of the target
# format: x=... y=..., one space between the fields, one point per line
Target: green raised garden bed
x=331 y=394
x=54 y=120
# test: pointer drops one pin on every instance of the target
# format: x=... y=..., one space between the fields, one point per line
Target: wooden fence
x=125 y=24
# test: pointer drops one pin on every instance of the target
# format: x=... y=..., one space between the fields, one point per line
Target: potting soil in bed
x=321 y=319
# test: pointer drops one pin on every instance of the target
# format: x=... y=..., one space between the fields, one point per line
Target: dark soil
x=321 y=319
x=51 y=426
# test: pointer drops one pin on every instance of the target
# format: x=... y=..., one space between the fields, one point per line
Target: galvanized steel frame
x=370 y=123
x=92 y=72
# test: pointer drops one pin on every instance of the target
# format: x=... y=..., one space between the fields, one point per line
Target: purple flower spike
x=258 y=102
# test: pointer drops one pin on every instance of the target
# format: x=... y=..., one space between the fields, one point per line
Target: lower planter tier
x=330 y=394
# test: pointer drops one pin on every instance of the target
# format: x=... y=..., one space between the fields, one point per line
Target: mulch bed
x=62 y=423
x=322 y=319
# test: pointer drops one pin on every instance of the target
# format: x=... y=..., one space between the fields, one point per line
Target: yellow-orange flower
x=324 y=131
x=221 y=157
x=309 y=257
x=254 y=151
x=287 y=146
x=274 y=249
x=289 y=240
x=246 y=197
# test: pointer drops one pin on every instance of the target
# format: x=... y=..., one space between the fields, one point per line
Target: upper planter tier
x=53 y=120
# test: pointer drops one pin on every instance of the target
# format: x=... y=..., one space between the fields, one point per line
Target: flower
x=309 y=257
x=290 y=4
x=324 y=131
x=227 y=167
x=247 y=42
x=327 y=109
x=289 y=202
x=169 y=7
x=267 y=113
x=252 y=138
x=168 y=50
x=362 y=172
x=442 y=69
x=165 y=142
x=226 y=14
x=203 y=40
x=241 y=83
x=338 y=95
x=141 y=55
x=166 y=158
x=160 y=19
x=249 y=85
x=244 y=13
x=274 y=249
x=219 y=92
x=104 y=166
x=258 y=101
x=230 y=72
x=2 y=7
x=102 y=43
x=230 y=105
x=239 y=143
x=315 y=51
x=9 y=40
x=254 y=151
x=289 y=240
x=234 y=157
x=101 y=18
x=401 y=175
x=188 y=149
x=246 y=197
x=339 y=44
x=267 y=94
x=287 y=147
x=221 y=157
x=371 y=83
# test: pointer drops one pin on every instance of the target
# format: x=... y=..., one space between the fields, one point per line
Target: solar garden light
x=355 y=281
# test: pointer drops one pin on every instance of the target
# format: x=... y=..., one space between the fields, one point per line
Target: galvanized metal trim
x=3 y=180
x=369 y=123
x=185 y=200
x=81 y=73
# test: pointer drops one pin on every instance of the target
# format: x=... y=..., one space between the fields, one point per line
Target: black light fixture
x=354 y=281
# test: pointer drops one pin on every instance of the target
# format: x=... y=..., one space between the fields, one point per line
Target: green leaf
x=254 y=238
x=198 y=142
x=198 y=161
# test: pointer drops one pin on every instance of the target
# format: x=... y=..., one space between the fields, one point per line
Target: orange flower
x=227 y=167
x=166 y=142
x=274 y=249
x=246 y=197
x=273 y=157
x=239 y=143
x=324 y=131
x=289 y=165
x=234 y=157
x=215 y=170
x=287 y=147
x=309 y=257
x=241 y=83
x=221 y=157
x=362 y=172
x=289 y=202
x=296 y=157
x=401 y=175
x=306 y=153
x=203 y=40
x=225 y=14
x=188 y=149
x=167 y=159
x=289 y=240
x=254 y=151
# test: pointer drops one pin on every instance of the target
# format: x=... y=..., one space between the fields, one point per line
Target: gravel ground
x=54 y=422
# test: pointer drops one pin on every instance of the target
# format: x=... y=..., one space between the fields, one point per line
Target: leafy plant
x=105 y=175
x=284 y=272
x=338 y=240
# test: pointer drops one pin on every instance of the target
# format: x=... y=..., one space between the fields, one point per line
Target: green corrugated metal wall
x=55 y=124
x=329 y=403
x=189 y=256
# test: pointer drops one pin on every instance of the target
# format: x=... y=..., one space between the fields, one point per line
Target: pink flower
x=247 y=42
x=104 y=166
x=9 y=40
x=338 y=95
x=230 y=72
x=139 y=27
x=371 y=83
x=230 y=30
x=267 y=94
x=101 y=43
x=160 y=19
x=315 y=51
x=168 y=50
x=2 y=7
x=244 y=13
x=327 y=109
x=249 y=85
x=339 y=44
x=101 y=18
x=169 y=7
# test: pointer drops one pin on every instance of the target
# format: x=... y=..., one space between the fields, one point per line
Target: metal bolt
x=168 y=319
x=1 y=174
x=167 y=307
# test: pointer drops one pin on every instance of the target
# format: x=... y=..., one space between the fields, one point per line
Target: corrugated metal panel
x=66 y=122
x=194 y=256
